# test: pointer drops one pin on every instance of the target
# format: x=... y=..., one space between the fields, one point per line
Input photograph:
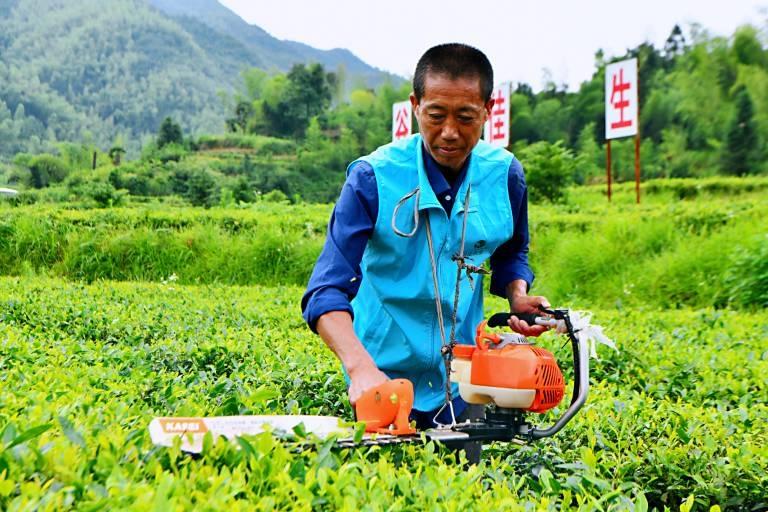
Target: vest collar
x=427 y=197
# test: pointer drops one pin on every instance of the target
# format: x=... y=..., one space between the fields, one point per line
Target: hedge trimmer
x=505 y=372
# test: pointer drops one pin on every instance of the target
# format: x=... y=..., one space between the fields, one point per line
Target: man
x=396 y=226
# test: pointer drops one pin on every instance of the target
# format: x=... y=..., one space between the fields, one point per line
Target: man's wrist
x=517 y=288
x=359 y=364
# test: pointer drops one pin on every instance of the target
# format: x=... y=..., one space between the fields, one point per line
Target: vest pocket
x=479 y=243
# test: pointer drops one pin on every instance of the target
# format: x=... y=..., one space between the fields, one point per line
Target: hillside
x=113 y=69
x=270 y=51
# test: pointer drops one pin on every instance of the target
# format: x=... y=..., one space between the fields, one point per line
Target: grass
x=702 y=251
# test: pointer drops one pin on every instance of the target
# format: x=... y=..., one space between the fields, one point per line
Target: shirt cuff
x=501 y=277
x=324 y=301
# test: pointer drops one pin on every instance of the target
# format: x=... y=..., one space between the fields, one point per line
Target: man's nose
x=450 y=130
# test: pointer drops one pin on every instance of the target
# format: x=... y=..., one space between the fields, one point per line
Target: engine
x=507 y=370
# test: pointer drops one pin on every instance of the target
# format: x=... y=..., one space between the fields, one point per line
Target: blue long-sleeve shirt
x=336 y=277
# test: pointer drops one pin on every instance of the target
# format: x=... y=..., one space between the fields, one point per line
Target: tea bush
x=675 y=418
x=666 y=253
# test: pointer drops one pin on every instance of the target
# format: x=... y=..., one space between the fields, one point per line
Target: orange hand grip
x=385 y=409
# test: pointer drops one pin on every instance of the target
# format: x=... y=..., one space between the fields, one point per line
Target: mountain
x=271 y=51
x=111 y=70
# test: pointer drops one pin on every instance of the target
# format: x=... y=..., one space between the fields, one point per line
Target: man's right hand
x=335 y=327
x=362 y=378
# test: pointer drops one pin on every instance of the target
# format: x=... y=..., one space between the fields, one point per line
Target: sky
x=534 y=42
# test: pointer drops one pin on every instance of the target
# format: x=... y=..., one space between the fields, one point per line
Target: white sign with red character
x=497 y=126
x=621 y=104
x=401 y=120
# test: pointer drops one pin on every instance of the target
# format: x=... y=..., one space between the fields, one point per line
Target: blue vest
x=395 y=316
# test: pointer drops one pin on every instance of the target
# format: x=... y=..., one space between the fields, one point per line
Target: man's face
x=450 y=115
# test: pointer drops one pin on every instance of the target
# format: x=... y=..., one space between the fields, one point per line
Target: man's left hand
x=527 y=304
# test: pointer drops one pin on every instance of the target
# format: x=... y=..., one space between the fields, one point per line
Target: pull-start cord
x=446 y=349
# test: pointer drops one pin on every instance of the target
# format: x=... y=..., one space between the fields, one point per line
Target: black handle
x=500 y=319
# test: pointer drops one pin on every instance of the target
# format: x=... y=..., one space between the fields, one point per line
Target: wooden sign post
x=622 y=117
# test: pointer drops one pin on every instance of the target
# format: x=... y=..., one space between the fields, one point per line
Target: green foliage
x=549 y=170
x=116 y=154
x=78 y=157
x=673 y=420
x=673 y=250
x=589 y=156
x=94 y=70
x=692 y=95
x=304 y=94
x=239 y=123
x=171 y=152
x=720 y=186
x=201 y=188
x=104 y=194
x=739 y=157
x=747 y=48
x=118 y=354
x=169 y=133
x=259 y=143
x=275 y=196
x=45 y=170
x=747 y=278
x=666 y=252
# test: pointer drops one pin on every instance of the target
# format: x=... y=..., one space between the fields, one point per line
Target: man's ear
x=414 y=102
x=415 y=110
x=489 y=106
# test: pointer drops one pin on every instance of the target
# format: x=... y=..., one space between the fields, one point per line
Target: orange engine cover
x=520 y=367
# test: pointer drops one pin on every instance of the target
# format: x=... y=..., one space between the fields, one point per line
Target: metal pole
x=637 y=136
x=608 y=166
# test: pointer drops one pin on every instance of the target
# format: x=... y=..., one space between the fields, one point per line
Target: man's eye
x=436 y=117
x=466 y=119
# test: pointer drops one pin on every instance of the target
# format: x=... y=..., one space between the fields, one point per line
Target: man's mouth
x=449 y=151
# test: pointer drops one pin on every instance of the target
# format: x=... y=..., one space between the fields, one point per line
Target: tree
x=741 y=144
x=675 y=43
x=169 y=133
x=47 y=169
x=522 y=123
x=243 y=112
x=588 y=156
x=525 y=90
x=306 y=94
x=115 y=154
x=243 y=191
x=201 y=188
x=746 y=47
x=549 y=170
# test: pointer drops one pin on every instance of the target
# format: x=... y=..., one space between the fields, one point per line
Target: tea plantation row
x=676 y=418
x=711 y=251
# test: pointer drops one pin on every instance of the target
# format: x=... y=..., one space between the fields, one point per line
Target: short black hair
x=456 y=60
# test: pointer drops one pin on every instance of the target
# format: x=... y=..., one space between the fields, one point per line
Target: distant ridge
x=272 y=52
x=109 y=71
